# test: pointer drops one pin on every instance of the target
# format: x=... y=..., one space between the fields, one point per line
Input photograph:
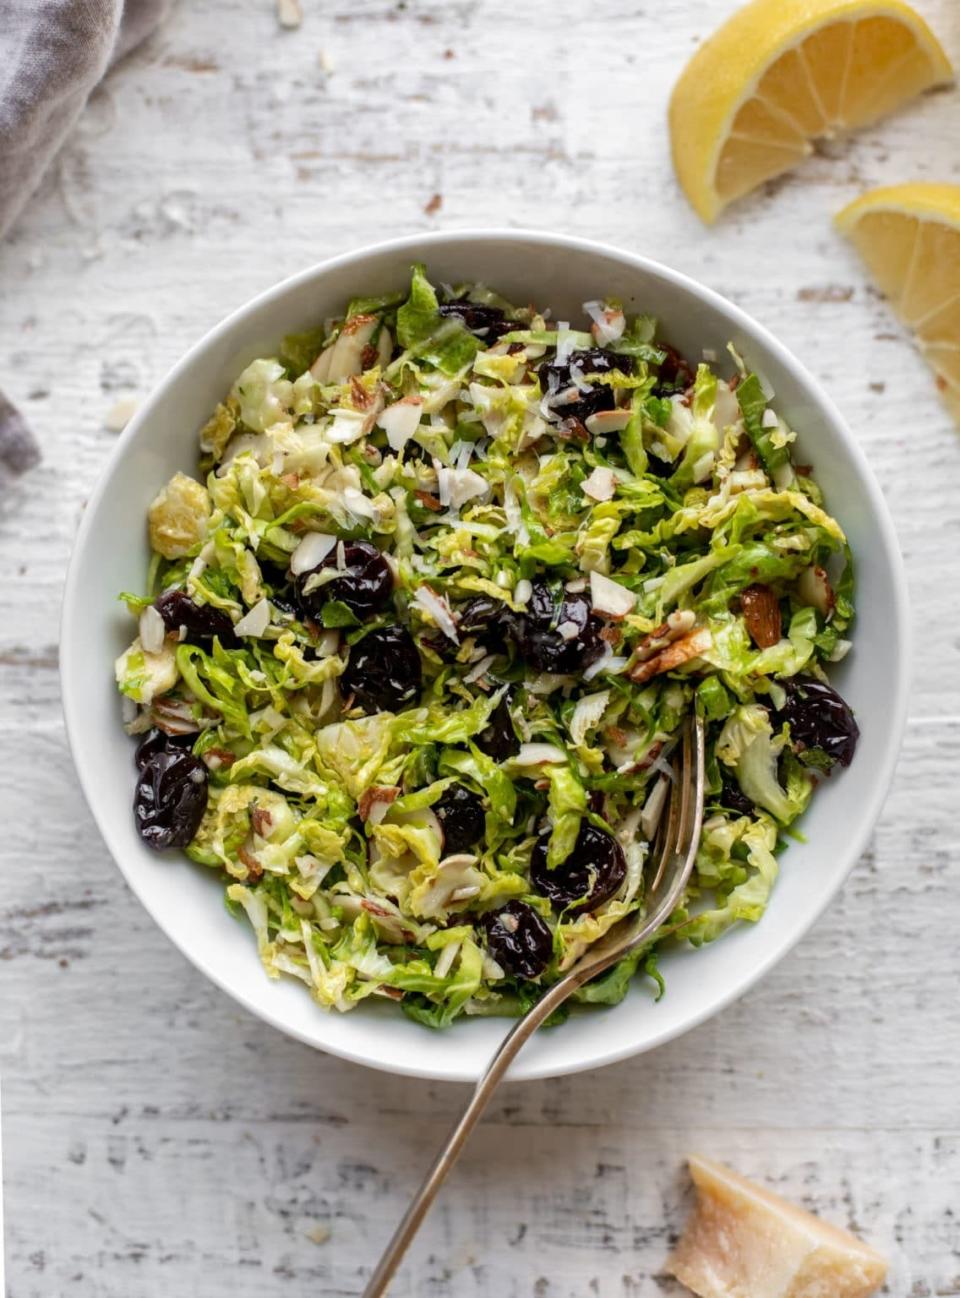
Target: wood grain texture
x=158 y=1140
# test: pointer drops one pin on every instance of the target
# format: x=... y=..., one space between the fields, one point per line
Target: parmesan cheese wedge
x=742 y=1241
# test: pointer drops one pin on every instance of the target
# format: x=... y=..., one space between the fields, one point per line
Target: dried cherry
x=819 y=718
x=384 y=671
x=488 y=322
x=199 y=622
x=365 y=582
x=518 y=939
x=593 y=360
x=675 y=373
x=484 y=618
x=158 y=741
x=498 y=739
x=556 y=378
x=462 y=819
x=170 y=799
x=590 y=875
x=539 y=642
x=734 y=799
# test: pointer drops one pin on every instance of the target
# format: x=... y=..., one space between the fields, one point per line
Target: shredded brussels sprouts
x=410 y=666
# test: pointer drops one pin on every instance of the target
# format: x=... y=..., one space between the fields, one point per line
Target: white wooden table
x=158 y=1141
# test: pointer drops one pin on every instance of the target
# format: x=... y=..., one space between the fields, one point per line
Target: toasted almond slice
x=761 y=612
x=673 y=656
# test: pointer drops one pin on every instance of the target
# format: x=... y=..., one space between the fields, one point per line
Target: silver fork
x=678 y=840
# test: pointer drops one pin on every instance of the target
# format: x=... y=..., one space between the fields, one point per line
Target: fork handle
x=689 y=820
x=508 y=1050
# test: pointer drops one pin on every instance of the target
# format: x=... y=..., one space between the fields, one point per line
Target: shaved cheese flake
x=347 y=426
x=120 y=414
x=311 y=552
x=568 y=630
x=201 y=562
x=566 y=343
x=457 y=486
x=609 y=598
x=439 y=611
x=153 y=632
x=256 y=621
x=400 y=421
x=743 y=1239
x=608 y=322
x=600 y=485
x=577 y=378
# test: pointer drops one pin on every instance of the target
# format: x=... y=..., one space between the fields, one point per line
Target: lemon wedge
x=781 y=73
x=909 y=236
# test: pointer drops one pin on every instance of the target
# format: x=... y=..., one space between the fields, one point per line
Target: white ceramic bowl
x=111 y=555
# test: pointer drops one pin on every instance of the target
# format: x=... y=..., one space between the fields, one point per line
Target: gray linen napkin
x=52 y=54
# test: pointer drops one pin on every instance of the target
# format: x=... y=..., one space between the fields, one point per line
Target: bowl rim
x=423 y=243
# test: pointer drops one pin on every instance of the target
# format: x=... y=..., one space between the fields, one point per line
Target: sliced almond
x=761 y=612
x=348 y=357
x=255 y=622
x=374 y=801
x=602 y=422
x=311 y=552
x=609 y=598
x=320 y=369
